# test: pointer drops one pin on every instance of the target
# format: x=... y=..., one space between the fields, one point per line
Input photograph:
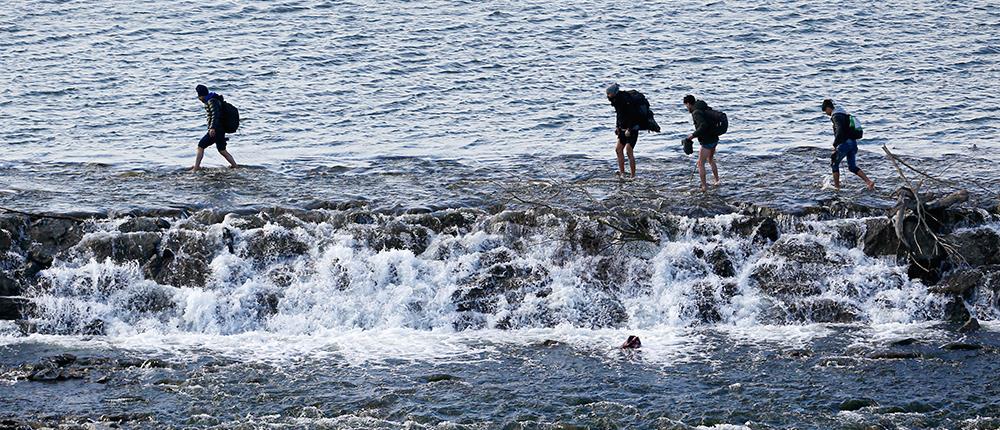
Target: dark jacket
x=841 y=126
x=627 y=111
x=213 y=110
x=704 y=123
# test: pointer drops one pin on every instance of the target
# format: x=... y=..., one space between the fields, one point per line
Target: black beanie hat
x=202 y=90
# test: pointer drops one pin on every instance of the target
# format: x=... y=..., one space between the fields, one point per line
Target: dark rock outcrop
x=144 y=224
x=959 y=283
x=184 y=259
x=140 y=246
x=978 y=247
x=274 y=245
x=12 y=308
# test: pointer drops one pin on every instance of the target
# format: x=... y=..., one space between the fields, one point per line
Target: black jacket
x=704 y=123
x=627 y=111
x=841 y=127
x=213 y=110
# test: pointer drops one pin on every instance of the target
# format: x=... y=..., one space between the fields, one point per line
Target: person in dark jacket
x=844 y=145
x=216 y=135
x=704 y=131
x=628 y=118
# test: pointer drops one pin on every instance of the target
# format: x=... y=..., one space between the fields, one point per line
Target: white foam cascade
x=499 y=271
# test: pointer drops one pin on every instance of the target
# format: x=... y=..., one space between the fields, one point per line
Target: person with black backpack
x=846 y=132
x=222 y=118
x=709 y=124
x=632 y=113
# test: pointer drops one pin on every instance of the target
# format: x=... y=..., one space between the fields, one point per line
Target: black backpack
x=230 y=116
x=647 y=122
x=721 y=122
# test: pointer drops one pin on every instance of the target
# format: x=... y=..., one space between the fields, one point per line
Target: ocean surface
x=420 y=234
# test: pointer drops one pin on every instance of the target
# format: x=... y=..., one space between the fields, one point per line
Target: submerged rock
x=857 y=403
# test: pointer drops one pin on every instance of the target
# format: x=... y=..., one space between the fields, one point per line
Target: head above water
x=828 y=107
x=632 y=342
x=689 y=102
x=202 y=92
x=612 y=90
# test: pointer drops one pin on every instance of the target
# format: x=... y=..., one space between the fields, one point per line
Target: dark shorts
x=848 y=150
x=630 y=139
x=709 y=145
x=219 y=141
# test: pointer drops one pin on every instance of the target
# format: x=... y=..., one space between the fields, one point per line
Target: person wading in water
x=216 y=135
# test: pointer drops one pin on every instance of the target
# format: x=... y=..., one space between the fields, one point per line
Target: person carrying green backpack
x=846 y=132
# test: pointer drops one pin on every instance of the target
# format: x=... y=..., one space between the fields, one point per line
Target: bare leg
x=836 y=180
x=197 y=159
x=621 y=158
x=229 y=158
x=868 y=182
x=702 y=156
x=715 y=169
x=631 y=158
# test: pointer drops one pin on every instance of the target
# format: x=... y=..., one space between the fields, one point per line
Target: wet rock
x=858 y=403
x=956 y=311
x=799 y=353
x=148 y=298
x=12 y=308
x=970 y=326
x=709 y=298
x=880 y=238
x=978 y=247
x=894 y=355
x=55 y=368
x=123 y=247
x=959 y=283
x=50 y=236
x=207 y=217
x=278 y=244
x=760 y=229
x=849 y=234
x=397 y=235
x=720 y=262
x=961 y=346
x=144 y=224
x=781 y=282
x=821 y=310
x=439 y=377
x=550 y=343
x=458 y=221
x=184 y=259
x=903 y=342
x=504 y=279
x=837 y=361
x=248 y=222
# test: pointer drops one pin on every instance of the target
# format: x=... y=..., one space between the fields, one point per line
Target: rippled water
x=345 y=83
x=420 y=106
